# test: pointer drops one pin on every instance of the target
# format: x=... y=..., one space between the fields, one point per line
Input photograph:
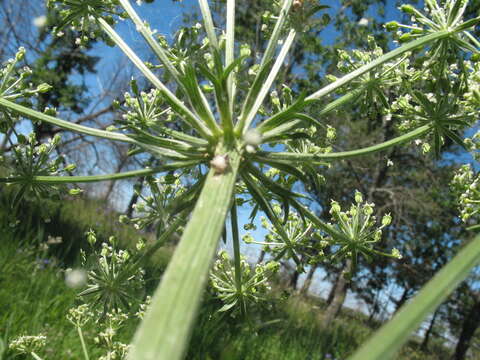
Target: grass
x=34 y=299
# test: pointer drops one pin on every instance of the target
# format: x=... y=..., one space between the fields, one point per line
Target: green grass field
x=35 y=300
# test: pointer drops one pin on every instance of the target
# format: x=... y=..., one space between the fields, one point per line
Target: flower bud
x=75 y=192
x=20 y=54
x=245 y=50
x=405 y=37
x=386 y=220
x=408 y=9
x=70 y=167
x=252 y=137
x=358 y=197
x=391 y=26
x=43 y=88
x=91 y=237
x=396 y=253
x=335 y=207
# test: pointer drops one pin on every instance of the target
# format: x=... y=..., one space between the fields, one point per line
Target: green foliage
x=238 y=135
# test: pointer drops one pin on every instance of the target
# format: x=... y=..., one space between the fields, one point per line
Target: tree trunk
x=134 y=198
x=308 y=280
x=339 y=295
x=294 y=279
x=470 y=325
x=428 y=333
x=261 y=257
x=121 y=163
x=403 y=299
x=6 y=137
x=334 y=286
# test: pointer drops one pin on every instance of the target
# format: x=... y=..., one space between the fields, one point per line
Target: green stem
x=208 y=21
x=163 y=238
x=236 y=256
x=97 y=178
x=35 y=356
x=36 y=115
x=396 y=332
x=147 y=35
x=267 y=56
x=379 y=61
x=230 y=49
x=273 y=42
x=178 y=105
x=304 y=157
x=247 y=119
x=345 y=99
x=165 y=330
x=82 y=340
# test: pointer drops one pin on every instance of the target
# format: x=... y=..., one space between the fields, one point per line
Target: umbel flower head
x=115 y=280
x=27 y=344
x=358 y=231
x=252 y=288
x=466 y=183
x=447 y=16
x=82 y=15
x=31 y=160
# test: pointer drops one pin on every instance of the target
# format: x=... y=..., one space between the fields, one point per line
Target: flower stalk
x=176 y=300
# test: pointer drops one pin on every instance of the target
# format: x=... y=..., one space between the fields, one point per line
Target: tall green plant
x=223 y=136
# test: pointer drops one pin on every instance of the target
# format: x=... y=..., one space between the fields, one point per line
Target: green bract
x=216 y=126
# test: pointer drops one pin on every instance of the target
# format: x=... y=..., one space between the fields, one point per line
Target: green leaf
x=385 y=342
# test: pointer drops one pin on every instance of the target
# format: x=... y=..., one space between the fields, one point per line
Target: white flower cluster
x=114 y=279
x=155 y=208
x=82 y=16
x=252 y=288
x=27 y=344
x=466 y=183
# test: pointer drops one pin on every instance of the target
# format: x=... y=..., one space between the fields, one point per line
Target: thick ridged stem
x=164 y=333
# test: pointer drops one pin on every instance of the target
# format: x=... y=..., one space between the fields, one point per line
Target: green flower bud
x=123 y=219
x=358 y=197
x=70 y=167
x=43 y=88
x=20 y=54
x=405 y=37
x=75 y=192
x=392 y=26
x=396 y=253
x=408 y=9
x=91 y=237
x=386 y=220
x=245 y=50
x=56 y=139
x=335 y=207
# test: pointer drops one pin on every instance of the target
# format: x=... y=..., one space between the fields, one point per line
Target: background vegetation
x=300 y=324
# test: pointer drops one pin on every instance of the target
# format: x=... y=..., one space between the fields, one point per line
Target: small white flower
x=252 y=137
x=389 y=162
x=363 y=22
x=75 y=278
x=40 y=21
